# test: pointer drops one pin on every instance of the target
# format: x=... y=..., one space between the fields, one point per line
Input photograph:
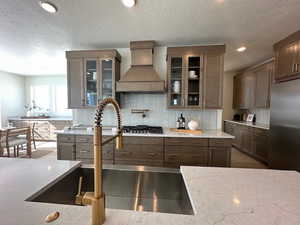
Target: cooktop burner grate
x=143 y=129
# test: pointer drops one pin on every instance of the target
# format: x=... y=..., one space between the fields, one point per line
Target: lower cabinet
x=186 y=151
x=251 y=140
x=148 y=151
x=261 y=144
x=81 y=148
x=220 y=152
x=141 y=151
x=66 y=148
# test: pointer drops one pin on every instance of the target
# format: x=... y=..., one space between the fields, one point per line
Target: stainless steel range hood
x=141 y=77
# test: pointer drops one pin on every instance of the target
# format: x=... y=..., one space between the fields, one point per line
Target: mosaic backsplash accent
x=158 y=115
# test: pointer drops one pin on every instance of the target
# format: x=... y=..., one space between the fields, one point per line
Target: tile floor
x=47 y=150
x=241 y=160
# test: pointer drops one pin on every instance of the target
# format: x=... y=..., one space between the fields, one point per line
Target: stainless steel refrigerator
x=285 y=126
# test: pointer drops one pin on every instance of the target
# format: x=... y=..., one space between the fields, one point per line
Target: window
x=41 y=95
x=61 y=100
x=51 y=98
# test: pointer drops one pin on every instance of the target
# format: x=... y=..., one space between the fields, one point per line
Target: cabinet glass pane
x=194 y=75
x=107 y=81
x=91 y=82
x=176 y=81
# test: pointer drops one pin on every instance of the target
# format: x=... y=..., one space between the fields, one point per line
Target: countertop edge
x=206 y=134
x=260 y=126
x=41 y=119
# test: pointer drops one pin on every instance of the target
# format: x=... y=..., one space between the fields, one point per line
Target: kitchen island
x=169 y=149
x=248 y=197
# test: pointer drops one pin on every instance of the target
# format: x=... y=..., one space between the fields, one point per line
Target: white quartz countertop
x=44 y=119
x=251 y=124
x=220 y=196
x=166 y=133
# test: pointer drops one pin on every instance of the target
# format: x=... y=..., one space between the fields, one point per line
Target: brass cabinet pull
x=172 y=156
x=84 y=151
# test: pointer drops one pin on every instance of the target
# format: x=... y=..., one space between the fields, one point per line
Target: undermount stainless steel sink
x=130 y=190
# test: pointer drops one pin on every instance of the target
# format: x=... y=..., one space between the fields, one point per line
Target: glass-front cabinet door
x=176 y=82
x=107 y=80
x=194 y=81
x=90 y=82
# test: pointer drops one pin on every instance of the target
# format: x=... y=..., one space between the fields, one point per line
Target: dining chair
x=14 y=141
x=33 y=134
x=2 y=142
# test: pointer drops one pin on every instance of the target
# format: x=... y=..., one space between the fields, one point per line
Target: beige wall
x=228 y=111
x=12 y=96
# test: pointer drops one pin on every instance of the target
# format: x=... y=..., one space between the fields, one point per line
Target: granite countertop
x=166 y=133
x=247 y=197
x=44 y=119
x=251 y=124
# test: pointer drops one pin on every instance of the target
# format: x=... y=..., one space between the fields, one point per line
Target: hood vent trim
x=141 y=77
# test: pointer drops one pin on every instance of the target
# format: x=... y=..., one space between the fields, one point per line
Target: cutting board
x=186 y=131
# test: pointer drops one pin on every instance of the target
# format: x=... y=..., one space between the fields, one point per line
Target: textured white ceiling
x=33 y=41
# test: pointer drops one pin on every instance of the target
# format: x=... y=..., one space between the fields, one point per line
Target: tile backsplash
x=158 y=115
x=262 y=115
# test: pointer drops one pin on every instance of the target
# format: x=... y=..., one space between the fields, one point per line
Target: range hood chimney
x=141 y=77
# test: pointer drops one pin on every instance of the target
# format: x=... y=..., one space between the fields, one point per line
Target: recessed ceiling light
x=48 y=6
x=241 y=49
x=129 y=3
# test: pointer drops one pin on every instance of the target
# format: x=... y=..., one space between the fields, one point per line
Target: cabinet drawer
x=84 y=151
x=220 y=142
x=186 y=141
x=189 y=149
x=143 y=140
x=66 y=138
x=200 y=159
x=84 y=139
x=258 y=132
x=142 y=152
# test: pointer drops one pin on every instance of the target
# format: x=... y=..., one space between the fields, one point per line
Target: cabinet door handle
x=297 y=67
x=294 y=68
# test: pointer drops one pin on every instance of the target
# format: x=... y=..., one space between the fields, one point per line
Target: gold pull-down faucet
x=97 y=198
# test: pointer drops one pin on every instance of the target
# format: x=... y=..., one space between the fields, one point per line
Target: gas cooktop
x=142 y=129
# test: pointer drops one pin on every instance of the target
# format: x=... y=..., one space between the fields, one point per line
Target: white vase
x=193 y=125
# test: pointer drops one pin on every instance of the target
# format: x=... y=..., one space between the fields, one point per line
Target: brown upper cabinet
x=252 y=87
x=244 y=87
x=287 y=58
x=92 y=76
x=195 y=77
x=263 y=85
